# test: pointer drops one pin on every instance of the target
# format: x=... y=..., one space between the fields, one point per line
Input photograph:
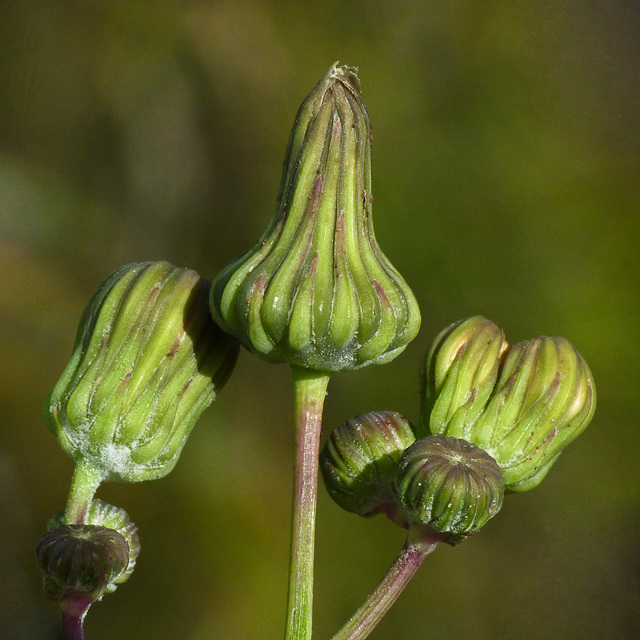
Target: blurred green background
x=506 y=176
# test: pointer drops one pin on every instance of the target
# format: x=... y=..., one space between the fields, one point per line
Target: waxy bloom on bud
x=317 y=291
x=148 y=360
x=449 y=486
x=360 y=459
x=522 y=404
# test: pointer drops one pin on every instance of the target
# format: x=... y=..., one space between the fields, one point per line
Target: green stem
x=86 y=479
x=391 y=586
x=310 y=389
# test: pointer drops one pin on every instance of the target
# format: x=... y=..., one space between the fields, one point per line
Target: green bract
x=316 y=290
x=523 y=404
x=449 y=486
x=147 y=361
x=459 y=374
x=360 y=459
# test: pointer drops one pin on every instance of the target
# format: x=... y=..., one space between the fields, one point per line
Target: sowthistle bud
x=522 y=404
x=148 y=360
x=360 y=459
x=316 y=290
x=449 y=486
x=81 y=560
x=102 y=514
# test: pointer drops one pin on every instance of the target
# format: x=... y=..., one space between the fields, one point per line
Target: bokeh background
x=506 y=176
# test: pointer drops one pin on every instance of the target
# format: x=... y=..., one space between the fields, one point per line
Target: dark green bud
x=106 y=515
x=148 y=360
x=543 y=400
x=360 y=459
x=449 y=486
x=316 y=290
x=81 y=560
x=459 y=375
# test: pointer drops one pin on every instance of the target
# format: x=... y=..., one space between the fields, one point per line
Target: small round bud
x=544 y=398
x=316 y=290
x=81 y=560
x=148 y=360
x=459 y=374
x=101 y=514
x=359 y=462
x=449 y=486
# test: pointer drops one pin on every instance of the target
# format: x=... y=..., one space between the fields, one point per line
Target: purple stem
x=391 y=586
x=74 y=609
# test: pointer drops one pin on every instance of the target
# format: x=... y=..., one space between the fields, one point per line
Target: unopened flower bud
x=449 y=486
x=543 y=399
x=81 y=560
x=359 y=462
x=317 y=291
x=147 y=362
x=459 y=375
x=106 y=515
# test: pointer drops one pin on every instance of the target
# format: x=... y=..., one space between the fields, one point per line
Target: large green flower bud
x=147 y=361
x=316 y=290
x=359 y=462
x=459 y=374
x=449 y=486
x=543 y=400
x=81 y=560
x=104 y=515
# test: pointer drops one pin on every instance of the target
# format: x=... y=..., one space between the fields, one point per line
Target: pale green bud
x=522 y=404
x=148 y=360
x=316 y=290
x=449 y=486
x=459 y=375
x=543 y=400
x=359 y=462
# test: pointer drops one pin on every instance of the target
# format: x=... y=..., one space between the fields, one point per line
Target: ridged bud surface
x=449 y=486
x=359 y=461
x=459 y=374
x=316 y=290
x=106 y=515
x=81 y=560
x=543 y=400
x=147 y=362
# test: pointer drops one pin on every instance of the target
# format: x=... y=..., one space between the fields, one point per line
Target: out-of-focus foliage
x=505 y=176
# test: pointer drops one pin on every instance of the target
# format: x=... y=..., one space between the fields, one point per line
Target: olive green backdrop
x=506 y=176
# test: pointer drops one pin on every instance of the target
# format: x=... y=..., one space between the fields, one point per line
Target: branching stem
x=391 y=586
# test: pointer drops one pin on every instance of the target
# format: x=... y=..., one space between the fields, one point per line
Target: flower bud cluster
x=523 y=403
x=373 y=464
x=494 y=418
